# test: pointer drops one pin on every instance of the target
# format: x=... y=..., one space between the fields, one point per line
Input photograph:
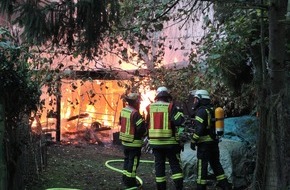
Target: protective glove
x=182 y=148
x=181 y=144
x=183 y=137
x=193 y=145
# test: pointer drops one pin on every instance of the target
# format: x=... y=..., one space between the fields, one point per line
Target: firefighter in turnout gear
x=163 y=120
x=132 y=131
x=206 y=140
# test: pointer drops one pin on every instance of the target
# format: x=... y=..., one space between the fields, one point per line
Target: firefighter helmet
x=201 y=94
x=161 y=89
x=133 y=97
x=162 y=92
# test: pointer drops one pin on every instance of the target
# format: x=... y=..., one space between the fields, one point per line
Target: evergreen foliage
x=19 y=89
x=79 y=26
x=20 y=95
x=228 y=54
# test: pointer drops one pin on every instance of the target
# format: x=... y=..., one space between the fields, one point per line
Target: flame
x=87 y=121
x=80 y=109
x=147 y=96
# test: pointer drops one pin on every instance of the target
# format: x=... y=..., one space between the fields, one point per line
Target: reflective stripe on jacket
x=206 y=135
x=127 y=131
x=160 y=125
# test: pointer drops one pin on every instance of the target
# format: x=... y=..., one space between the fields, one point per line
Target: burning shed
x=87 y=107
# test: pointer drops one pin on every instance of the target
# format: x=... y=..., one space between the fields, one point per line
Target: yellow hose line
x=107 y=164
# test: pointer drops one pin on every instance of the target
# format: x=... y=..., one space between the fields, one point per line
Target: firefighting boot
x=161 y=185
x=124 y=179
x=224 y=185
x=178 y=184
x=200 y=187
x=139 y=185
x=131 y=182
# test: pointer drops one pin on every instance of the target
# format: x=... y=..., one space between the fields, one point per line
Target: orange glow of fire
x=147 y=98
x=87 y=121
x=81 y=115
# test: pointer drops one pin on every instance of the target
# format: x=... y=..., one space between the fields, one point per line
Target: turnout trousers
x=131 y=163
x=172 y=153
x=209 y=154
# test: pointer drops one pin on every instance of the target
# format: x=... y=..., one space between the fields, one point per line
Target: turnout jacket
x=204 y=125
x=163 y=120
x=133 y=127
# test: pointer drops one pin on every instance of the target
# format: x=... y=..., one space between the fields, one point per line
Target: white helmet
x=161 y=89
x=133 y=96
x=201 y=94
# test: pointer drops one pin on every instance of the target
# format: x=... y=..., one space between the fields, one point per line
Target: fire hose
x=146 y=148
x=107 y=164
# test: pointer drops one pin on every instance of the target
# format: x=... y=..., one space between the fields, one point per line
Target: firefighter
x=162 y=119
x=132 y=131
x=206 y=141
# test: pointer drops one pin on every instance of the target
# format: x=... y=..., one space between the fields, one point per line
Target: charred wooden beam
x=105 y=74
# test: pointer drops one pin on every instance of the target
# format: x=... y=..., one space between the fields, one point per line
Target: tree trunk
x=287 y=102
x=3 y=168
x=272 y=170
x=58 y=111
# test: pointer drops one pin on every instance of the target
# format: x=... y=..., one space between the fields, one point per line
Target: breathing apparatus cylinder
x=219 y=121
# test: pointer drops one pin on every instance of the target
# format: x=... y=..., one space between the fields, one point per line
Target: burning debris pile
x=95 y=134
